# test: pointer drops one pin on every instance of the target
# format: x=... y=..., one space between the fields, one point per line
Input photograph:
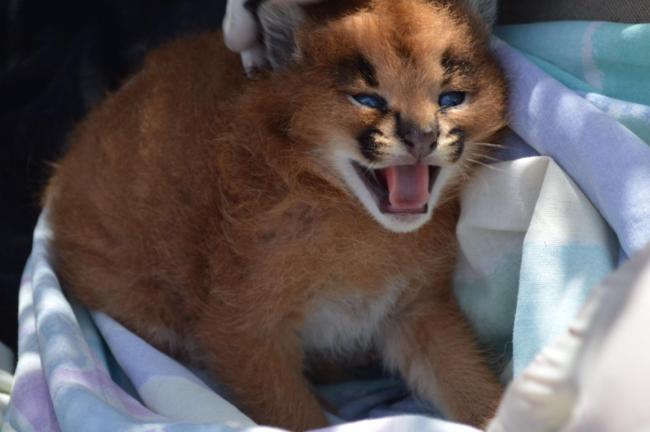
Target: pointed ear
x=486 y=9
x=279 y=22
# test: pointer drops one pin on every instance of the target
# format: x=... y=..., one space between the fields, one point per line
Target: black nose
x=420 y=143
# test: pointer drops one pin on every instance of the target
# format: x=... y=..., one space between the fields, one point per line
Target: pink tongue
x=408 y=187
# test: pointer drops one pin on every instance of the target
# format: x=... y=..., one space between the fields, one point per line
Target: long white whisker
x=484 y=144
x=486 y=165
x=370 y=167
x=490 y=158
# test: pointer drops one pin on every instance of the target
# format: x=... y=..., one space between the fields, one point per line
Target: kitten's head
x=394 y=101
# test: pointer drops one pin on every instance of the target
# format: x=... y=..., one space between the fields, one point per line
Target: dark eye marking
x=455 y=65
x=357 y=66
x=369 y=146
x=367 y=71
x=402 y=128
x=399 y=127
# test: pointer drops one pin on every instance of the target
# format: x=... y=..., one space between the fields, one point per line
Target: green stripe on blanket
x=604 y=58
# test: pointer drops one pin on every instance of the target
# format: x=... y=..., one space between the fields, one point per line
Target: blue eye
x=371 y=101
x=451 y=99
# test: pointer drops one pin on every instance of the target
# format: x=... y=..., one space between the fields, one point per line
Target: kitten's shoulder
x=201 y=55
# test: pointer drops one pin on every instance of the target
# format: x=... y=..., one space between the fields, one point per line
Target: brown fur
x=194 y=206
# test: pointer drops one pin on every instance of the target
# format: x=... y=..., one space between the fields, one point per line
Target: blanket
x=6 y=377
x=537 y=232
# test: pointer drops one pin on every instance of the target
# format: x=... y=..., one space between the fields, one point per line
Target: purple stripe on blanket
x=31 y=401
x=99 y=382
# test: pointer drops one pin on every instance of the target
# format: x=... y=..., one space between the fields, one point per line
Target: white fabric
x=594 y=377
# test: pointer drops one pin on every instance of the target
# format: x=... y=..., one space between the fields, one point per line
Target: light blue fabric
x=598 y=57
x=636 y=117
x=532 y=246
x=608 y=65
x=554 y=282
x=609 y=162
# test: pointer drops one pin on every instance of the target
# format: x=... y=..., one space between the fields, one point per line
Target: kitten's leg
x=265 y=376
x=432 y=345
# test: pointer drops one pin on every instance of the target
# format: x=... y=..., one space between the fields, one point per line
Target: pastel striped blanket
x=537 y=232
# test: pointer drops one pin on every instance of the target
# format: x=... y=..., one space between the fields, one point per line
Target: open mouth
x=403 y=189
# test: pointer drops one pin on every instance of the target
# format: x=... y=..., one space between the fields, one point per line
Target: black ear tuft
x=279 y=21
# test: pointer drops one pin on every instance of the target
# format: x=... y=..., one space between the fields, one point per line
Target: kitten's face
x=404 y=96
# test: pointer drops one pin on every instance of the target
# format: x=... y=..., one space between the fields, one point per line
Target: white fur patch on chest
x=341 y=323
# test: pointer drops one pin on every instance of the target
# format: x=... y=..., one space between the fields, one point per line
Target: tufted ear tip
x=279 y=22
